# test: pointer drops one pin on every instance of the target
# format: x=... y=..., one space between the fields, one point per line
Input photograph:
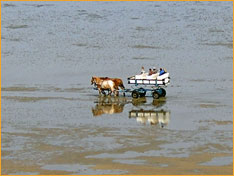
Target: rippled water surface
x=53 y=122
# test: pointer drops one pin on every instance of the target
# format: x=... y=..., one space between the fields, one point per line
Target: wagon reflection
x=161 y=118
x=113 y=105
x=109 y=105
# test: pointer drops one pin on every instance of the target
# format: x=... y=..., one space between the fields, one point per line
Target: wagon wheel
x=155 y=95
x=163 y=92
x=135 y=94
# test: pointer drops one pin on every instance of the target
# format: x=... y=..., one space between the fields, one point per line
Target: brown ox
x=104 y=84
x=117 y=83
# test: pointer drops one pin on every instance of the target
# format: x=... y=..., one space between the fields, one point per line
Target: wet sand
x=86 y=150
x=53 y=122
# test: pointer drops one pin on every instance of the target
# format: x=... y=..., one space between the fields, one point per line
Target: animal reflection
x=161 y=118
x=109 y=105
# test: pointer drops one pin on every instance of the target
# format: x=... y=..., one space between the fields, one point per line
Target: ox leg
x=100 y=91
x=103 y=92
x=117 y=92
x=114 y=92
x=122 y=87
x=109 y=92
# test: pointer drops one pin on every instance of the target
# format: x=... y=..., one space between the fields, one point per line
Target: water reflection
x=161 y=118
x=143 y=102
x=159 y=102
x=112 y=105
x=109 y=105
x=139 y=101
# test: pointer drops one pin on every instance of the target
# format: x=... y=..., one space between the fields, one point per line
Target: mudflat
x=53 y=122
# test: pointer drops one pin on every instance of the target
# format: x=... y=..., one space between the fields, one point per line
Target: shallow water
x=53 y=122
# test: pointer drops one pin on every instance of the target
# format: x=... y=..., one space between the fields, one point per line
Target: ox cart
x=141 y=84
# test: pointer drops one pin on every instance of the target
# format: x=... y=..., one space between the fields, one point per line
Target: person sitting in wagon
x=161 y=72
x=150 y=72
x=142 y=70
x=154 y=70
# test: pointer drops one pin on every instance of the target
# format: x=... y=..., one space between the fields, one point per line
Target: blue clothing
x=161 y=72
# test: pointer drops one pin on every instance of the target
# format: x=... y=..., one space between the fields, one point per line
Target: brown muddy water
x=53 y=122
